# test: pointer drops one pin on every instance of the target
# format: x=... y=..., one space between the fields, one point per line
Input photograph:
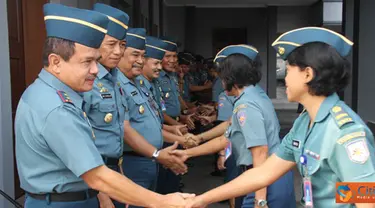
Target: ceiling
x=237 y=3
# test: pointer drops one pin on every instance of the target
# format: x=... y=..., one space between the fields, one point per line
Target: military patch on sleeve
x=64 y=97
x=340 y=116
x=241 y=116
x=358 y=151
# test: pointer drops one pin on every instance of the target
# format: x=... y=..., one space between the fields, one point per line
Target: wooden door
x=17 y=66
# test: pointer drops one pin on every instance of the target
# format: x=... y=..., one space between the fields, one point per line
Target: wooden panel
x=16 y=64
x=34 y=36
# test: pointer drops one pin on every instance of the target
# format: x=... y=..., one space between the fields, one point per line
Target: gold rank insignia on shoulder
x=141 y=109
x=340 y=116
x=108 y=117
x=141 y=82
x=64 y=97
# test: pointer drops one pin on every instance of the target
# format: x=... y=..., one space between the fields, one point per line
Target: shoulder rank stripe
x=351 y=136
x=340 y=116
x=64 y=97
x=239 y=107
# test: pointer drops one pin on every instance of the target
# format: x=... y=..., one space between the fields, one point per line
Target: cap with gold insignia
x=136 y=38
x=155 y=48
x=246 y=50
x=293 y=39
x=118 y=24
x=185 y=58
x=78 y=25
x=172 y=43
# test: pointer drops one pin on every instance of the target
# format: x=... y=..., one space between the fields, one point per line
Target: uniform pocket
x=106 y=112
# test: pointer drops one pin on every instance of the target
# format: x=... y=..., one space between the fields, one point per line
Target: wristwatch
x=155 y=155
x=261 y=202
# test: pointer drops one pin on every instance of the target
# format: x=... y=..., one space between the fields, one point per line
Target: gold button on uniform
x=108 y=117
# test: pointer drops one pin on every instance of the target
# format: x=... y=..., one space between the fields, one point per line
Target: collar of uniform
x=145 y=81
x=102 y=71
x=55 y=83
x=326 y=106
x=162 y=73
x=247 y=89
x=122 y=78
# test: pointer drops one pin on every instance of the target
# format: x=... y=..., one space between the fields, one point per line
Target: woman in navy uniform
x=329 y=142
x=254 y=129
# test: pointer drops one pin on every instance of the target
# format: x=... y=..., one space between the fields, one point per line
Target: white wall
x=289 y=18
x=6 y=129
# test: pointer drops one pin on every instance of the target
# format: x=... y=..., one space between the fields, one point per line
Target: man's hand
x=205 y=120
x=180 y=130
x=190 y=141
x=189 y=121
x=196 y=202
x=182 y=154
x=175 y=200
x=171 y=161
x=105 y=201
x=221 y=163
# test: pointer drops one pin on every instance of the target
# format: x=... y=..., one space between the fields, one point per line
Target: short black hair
x=238 y=69
x=331 y=70
x=59 y=46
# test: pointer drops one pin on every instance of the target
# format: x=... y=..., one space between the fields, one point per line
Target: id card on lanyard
x=307 y=186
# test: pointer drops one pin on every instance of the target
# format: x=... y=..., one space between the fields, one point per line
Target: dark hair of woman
x=331 y=70
x=238 y=69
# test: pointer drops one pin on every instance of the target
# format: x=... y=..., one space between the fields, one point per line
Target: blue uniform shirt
x=186 y=88
x=149 y=91
x=106 y=108
x=217 y=88
x=143 y=113
x=54 y=139
x=169 y=86
x=339 y=147
x=254 y=123
x=225 y=107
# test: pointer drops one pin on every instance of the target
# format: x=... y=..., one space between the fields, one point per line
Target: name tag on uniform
x=134 y=93
x=106 y=96
x=296 y=143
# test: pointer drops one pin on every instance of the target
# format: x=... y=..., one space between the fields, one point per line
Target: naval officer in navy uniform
x=104 y=105
x=58 y=163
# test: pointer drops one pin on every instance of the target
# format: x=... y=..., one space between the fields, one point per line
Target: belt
x=132 y=153
x=112 y=161
x=246 y=167
x=66 y=197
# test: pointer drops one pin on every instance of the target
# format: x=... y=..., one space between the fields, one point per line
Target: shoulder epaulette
x=239 y=107
x=340 y=116
x=64 y=97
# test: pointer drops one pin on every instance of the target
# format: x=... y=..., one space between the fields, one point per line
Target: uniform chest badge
x=103 y=90
x=358 y=151
x=167 y=95
x=100 y=85
x=108 y=117
x=312 y=154
x=296 y=143
x=141 y=82
x=141 y=109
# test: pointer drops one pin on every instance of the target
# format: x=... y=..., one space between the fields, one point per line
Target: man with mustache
x=155 y=50
x=58 y=163
x=103 y=105
x=143 y=129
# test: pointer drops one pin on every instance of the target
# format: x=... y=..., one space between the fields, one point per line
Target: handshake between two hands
x=182 y=200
